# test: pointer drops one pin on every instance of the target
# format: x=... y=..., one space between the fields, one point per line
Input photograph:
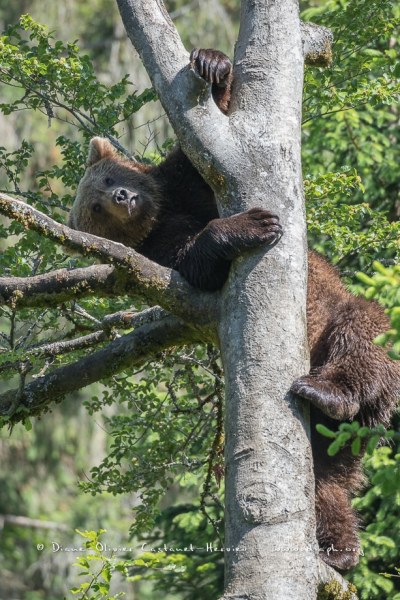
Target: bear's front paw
x=212 y=65
x=256 y=227
x=233 y=235
x=327 y=396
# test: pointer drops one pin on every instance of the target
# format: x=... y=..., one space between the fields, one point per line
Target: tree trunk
x=269 y=482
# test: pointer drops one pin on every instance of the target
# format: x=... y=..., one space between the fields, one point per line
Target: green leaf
x=325 y=431
x=372 y=443
x=356 y=446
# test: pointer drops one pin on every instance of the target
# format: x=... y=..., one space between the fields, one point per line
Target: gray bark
x=269 y=482
x=317 y=44
x=252 y=158
x=61 y=285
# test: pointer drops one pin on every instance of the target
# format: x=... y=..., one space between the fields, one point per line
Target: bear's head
x=117 y=199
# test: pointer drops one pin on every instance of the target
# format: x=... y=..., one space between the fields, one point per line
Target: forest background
x=161 y=461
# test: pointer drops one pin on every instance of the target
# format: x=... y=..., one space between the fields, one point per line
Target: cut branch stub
x=317 y=44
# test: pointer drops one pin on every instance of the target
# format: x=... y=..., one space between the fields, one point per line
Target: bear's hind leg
x=324 y=388
x=351 y=377
x=337 y=525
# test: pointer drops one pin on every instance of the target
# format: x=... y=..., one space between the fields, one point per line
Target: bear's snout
x=123 y=196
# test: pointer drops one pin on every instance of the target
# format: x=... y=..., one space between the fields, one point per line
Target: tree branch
x=125 y=352
x=52 y=349
x=65 y=284
x=21 y=521
x=201 y=128
x=125 y=319
x=106 y=331
x=65 y=346
x=157 y=284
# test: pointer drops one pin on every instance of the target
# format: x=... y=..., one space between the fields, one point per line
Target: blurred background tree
x=154 y=437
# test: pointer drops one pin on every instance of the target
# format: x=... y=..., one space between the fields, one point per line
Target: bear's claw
x=213 y=66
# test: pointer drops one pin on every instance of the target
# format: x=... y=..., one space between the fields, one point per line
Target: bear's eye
x=109 y=181
x=96 y=208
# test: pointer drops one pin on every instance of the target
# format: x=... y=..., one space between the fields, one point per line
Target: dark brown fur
x=175 y=223
x=350 y=378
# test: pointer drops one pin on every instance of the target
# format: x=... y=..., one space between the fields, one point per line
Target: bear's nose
x=121 y=195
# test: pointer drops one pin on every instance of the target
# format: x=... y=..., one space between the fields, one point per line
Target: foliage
x=359 y=437
x=186 y=531
x=350 y=136
x=343 y=227
x=160 y=439
x=53 y=75
x=359 y=75
x=350 y=148
x=162 y=565
x=98 y=568
x=385 y=285
x=380 y=507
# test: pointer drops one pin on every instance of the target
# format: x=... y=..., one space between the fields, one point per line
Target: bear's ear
x=99 y=148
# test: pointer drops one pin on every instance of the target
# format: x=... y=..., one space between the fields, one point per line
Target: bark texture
x=50 y=289
x=269 y=482
x=317 y=44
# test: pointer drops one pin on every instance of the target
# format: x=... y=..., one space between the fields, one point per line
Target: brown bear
x=168 y=213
